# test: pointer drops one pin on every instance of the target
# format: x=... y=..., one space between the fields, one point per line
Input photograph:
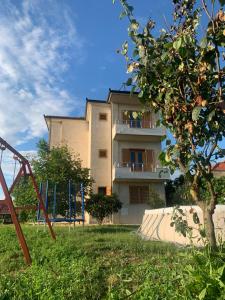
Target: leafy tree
x=219 y=186
x=101 y=206
x=23 y=216
x=180 y=75
x=24 y=193
x=57 y=166
x=155 y=201
x=178 y=192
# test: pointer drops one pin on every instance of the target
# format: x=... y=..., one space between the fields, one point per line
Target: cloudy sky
x=55 y=53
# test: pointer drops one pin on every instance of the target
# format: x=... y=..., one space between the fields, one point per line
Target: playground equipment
x=23 y=170
x=69 y=209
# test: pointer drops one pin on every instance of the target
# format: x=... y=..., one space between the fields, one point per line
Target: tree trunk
x=209 y=226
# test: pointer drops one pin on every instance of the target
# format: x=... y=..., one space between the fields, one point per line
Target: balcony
x=138 y=129
x=139 y=171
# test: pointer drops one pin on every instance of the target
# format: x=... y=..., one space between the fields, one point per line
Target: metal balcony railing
x=137 y=123
x=137 y=167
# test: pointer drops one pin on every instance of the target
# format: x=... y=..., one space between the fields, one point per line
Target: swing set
x=24 y=170
x=70 y=209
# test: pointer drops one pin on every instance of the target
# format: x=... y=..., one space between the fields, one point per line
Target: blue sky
x=55 y=53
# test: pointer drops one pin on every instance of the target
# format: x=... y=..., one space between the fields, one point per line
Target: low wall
x=156 y=224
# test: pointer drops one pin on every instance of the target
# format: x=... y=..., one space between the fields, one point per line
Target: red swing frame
x=25 y=169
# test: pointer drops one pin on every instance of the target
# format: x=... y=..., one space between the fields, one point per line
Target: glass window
x=102 y=153
x=102 y=190
x=102 y=116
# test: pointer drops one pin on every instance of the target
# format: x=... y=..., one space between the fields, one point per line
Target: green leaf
x=196 y=218
x=211 y=115
x=134 y=25
x=168 y=45
x=129 y=81
x=177 y=44
x=141 y=94
x=221 y=270
x=202 y=294
x=204 y=42
x=196 y=112
x=222 y=2
x=201 y=142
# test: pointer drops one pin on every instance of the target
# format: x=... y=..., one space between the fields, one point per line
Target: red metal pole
x=18 y=228
x=42 y=206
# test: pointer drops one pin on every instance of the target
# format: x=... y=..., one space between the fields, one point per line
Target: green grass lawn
x=108 y=262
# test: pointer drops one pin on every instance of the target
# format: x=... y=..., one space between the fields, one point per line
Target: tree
x=155 y=201
x=24 y=193
x=219 y=186
x=181 y=76
x=101 y=206
x=57 y=165
x=178 y=192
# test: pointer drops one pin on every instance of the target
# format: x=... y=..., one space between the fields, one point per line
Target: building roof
x=64 y=117
x=119 y=92
x=96 y=101
x=89 y=101
x=219 y=167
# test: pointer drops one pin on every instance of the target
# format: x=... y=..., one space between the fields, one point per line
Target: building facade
x=120 y=146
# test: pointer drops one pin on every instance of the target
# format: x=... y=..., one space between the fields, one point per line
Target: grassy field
x=108 y=262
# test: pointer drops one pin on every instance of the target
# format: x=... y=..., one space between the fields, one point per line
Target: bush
x=23 y=217
x=155 y=201
x=100 y=206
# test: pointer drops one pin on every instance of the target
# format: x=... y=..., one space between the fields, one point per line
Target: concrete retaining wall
x=156 y=224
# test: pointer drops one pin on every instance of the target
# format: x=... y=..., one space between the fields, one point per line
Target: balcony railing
x=139 y=171
x=137 y=123
x=137 y=167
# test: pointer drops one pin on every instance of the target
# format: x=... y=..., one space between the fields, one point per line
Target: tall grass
x=108 y=262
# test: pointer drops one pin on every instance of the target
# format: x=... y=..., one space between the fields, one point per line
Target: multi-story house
x=120 y=150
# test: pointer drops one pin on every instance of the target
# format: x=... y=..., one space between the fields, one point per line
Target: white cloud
x=35 y=49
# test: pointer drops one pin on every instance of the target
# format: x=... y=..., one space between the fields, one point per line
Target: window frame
x=139 y=189
x=101 y=151
x=100 y=116
x=105 y=190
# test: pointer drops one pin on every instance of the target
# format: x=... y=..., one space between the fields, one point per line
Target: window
x=103 y=117
x=139 y=194
x=139 y=159
x=135 y=119
x=136 y=159
x=102 y=190
x=102 y=153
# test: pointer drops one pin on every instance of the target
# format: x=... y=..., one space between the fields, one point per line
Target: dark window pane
x=102 y=190
x=132 y=156
x=102 y=153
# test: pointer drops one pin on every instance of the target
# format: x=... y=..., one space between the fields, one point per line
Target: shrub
x=100 y=206
x=23 y=217
x=155 y=201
